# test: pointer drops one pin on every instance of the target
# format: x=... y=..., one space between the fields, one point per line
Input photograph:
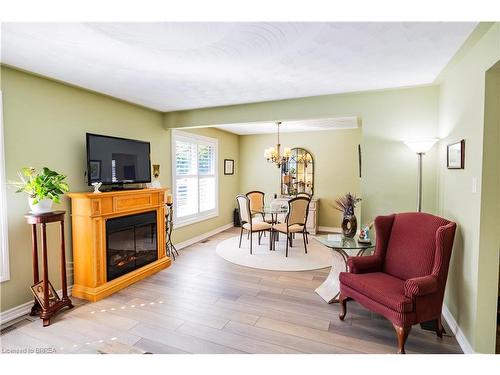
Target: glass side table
x=341 y=250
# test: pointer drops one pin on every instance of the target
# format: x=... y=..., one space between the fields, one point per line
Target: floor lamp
x=420 y=148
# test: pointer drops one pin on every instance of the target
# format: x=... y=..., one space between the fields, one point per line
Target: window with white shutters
x=194 y=169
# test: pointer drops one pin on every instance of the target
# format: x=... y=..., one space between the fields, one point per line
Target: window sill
x=197 y=219
x=5 y=278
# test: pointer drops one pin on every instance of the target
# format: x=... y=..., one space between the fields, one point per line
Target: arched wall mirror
x=297 y=175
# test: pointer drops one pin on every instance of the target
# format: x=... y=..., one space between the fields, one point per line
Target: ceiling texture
x=178 y=66
x=292 y=126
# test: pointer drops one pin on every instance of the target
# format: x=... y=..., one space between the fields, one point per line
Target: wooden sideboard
x=89 y=213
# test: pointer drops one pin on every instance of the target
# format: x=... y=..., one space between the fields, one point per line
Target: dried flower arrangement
x=347 y=203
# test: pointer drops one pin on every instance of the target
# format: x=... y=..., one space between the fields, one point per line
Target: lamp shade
x=421 y=146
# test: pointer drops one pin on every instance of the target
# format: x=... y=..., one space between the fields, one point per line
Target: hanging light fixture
x=273 y=154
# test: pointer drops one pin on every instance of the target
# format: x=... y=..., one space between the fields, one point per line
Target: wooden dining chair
x=309 y=196
x=295 y=221
x=247 y=222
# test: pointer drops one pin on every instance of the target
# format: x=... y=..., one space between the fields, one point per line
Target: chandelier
x=273 y=154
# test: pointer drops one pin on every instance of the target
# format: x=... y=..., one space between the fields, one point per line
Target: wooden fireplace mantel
x=89 y=212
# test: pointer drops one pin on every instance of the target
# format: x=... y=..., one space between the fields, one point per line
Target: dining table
x=274 y=211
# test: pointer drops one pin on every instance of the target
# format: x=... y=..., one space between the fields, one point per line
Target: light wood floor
x=204 y=304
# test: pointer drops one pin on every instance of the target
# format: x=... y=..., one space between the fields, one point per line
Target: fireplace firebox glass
x=131 y=243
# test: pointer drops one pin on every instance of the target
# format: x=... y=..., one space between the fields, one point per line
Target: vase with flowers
x=346 y=204
x=43 y=188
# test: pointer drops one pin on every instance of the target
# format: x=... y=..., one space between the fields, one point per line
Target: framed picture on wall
x=228 y=166
x=455 y=158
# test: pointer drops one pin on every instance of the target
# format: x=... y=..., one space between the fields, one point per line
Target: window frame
x=198 y=139
x=4 y=228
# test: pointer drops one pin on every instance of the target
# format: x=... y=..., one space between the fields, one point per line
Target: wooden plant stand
x=46 y=311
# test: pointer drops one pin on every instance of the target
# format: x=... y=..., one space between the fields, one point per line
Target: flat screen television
x=117 y=161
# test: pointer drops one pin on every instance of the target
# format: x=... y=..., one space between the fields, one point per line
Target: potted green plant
x=43 y=188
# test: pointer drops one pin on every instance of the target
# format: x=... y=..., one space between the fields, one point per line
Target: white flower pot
x=45 y=205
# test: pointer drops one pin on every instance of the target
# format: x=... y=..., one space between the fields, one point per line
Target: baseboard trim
x=202 y=236
x=330 y=229
x=23 y=309
x=455 y=329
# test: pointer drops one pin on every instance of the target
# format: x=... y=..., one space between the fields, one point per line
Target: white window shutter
x=194 y=169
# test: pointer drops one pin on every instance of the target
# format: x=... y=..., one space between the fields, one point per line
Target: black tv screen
x=113 y=160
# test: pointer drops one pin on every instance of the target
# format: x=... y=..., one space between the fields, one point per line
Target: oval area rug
x=318 y=256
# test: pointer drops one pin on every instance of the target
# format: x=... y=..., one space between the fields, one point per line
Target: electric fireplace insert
x=131 y=243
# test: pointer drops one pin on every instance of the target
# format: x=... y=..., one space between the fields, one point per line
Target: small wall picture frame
x=455 y=155
x=37 y=291
x=228 y=166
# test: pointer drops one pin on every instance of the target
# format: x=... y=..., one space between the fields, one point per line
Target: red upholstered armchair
x=405 y=279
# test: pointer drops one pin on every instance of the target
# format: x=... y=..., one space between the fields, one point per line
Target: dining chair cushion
x=294 y=228
x=257 y=225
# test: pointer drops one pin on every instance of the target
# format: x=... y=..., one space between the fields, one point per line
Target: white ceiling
x=294 y=126
x=175 y=66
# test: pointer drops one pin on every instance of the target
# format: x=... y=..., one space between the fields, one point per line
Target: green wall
x=45 y=124
x=471 y=290
x=388 y=117
x=336 y=170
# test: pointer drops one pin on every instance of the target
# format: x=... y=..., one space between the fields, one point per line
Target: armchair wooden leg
x=260 y=234
x=343 y=305
x=402 y=333
x=305 y=244
x=439 y=328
